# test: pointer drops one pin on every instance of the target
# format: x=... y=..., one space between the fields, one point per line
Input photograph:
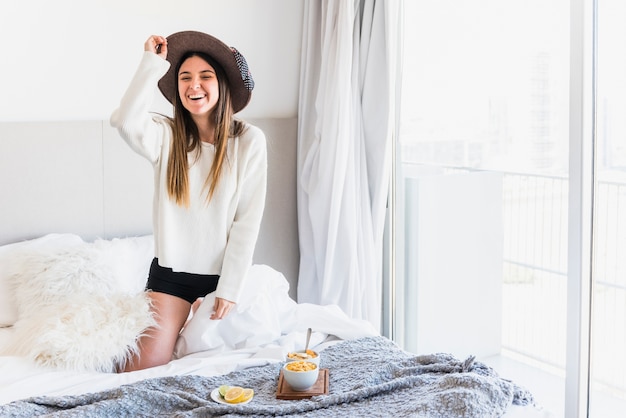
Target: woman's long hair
x=186 y=138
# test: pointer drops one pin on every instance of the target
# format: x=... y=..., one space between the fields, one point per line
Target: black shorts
x=188 y=286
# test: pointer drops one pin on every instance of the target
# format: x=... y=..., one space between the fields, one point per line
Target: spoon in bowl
x=308 y=339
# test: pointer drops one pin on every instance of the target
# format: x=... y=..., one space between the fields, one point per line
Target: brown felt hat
x=232 y=62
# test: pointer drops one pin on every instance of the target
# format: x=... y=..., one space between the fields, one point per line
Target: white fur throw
x=73 y=311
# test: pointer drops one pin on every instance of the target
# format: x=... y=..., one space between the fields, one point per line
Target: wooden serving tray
x=320 y=387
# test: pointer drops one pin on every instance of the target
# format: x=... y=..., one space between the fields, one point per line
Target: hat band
x=246 y=76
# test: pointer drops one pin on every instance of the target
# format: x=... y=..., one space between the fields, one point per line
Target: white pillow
x=94 y=334
x=130 y=259
x=81 y=307
x=10 y=264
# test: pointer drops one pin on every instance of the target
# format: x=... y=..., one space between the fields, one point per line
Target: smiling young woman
x=210 y=179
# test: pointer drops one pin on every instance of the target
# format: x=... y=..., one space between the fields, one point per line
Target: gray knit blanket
x=369 y=377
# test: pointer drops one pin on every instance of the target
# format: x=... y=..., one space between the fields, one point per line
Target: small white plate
x=215 y=395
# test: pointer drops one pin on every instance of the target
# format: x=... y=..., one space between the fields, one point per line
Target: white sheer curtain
x=346 y=119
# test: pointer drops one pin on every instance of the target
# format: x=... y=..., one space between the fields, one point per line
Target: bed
x=55 y=362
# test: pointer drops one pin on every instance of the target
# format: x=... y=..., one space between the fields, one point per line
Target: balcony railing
x=535 y=275
x=534 y=299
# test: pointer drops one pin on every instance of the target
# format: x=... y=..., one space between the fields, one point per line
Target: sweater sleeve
x=244 y=232
x=140 y=129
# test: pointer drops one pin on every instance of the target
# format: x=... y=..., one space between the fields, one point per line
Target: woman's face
x=197 y=86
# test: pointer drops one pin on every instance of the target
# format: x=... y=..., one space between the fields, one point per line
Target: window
x=608 y=330
x=483 y=181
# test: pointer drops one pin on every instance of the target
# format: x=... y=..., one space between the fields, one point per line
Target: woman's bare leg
x=192 y=312
x=157 y=345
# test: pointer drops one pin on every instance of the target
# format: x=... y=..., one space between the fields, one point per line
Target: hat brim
x=180 y=43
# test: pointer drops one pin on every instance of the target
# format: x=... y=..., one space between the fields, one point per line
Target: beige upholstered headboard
x=80 y=177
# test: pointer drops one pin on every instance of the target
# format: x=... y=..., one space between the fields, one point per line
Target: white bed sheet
x=265 y=327
x=20 y=378
x=253 y=335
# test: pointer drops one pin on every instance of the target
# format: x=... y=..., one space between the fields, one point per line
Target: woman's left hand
x=221 y=308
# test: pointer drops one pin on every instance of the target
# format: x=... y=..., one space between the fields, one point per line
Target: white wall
x=65 y=66
x=107 y=192
x=72 y=59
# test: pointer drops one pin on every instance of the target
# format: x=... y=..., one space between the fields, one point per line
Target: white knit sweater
x=206 y=238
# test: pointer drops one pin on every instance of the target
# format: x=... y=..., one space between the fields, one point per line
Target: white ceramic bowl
x=299 y=356
x=301 y=380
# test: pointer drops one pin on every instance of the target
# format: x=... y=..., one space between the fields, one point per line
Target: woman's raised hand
x=156 y=44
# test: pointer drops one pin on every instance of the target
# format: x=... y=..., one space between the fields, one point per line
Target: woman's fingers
x=156 y=44
x=221 y=308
